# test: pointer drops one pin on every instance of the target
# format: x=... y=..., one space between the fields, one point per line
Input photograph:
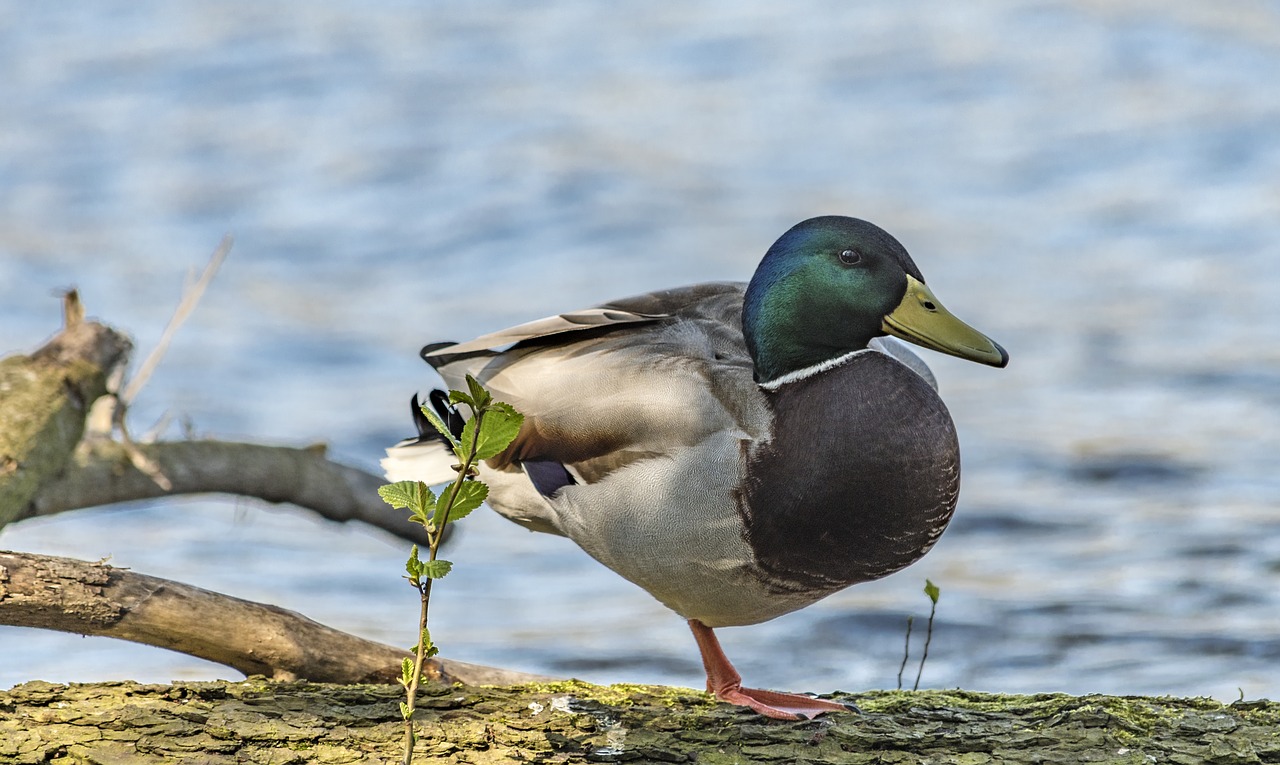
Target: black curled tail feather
x=547 y=476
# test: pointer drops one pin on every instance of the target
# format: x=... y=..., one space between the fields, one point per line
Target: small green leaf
x=471 y=494
x=458 y=397
x=438 y=424
x=479 y=396
x=436 y=569
x=414 y=495
x=414 y=566
x=397 y=494
x=404 y=711
x=498 y=428
x=406 y=671
x=932 y=591
x=429 y=648
x=468 y=437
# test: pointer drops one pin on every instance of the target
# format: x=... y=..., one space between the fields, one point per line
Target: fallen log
x=571 y=722
x=85 y=598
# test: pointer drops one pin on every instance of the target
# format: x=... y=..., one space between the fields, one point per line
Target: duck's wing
x=589 y=318
x=602 y=388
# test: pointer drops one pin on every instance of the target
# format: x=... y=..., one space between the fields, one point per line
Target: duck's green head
x=832 y=284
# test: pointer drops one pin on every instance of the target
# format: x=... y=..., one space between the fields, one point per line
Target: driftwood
x=256 y=639
x=63 y=446
x=262 y=722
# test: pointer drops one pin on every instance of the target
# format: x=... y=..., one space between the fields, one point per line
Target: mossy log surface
x=256 y=721
x=44 y=398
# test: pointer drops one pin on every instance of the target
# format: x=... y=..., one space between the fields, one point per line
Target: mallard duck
x=739 y=451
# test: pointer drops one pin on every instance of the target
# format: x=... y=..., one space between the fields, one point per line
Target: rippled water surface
x=1096 y=185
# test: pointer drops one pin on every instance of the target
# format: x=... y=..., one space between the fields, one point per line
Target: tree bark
x=257 y=639
x=262 y=722
x=44 y=399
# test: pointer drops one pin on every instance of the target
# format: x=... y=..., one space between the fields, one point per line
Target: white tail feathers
x=430 y=462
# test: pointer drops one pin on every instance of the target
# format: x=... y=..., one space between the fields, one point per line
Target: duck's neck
x=786 y=345
x=796 y=324
x=802 y=373
x=781 y=353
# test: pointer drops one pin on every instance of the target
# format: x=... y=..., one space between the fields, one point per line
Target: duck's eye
x=850 y=257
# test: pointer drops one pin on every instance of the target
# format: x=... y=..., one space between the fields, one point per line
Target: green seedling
x=492 y=427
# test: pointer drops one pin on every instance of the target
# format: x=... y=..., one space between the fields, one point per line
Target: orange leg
x=725 y=682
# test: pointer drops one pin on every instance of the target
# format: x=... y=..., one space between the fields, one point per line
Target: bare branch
x=190 y=298
x=72 y=308
x=141 y=462
x=101 y=473
x=50 y=462
x=253 y=638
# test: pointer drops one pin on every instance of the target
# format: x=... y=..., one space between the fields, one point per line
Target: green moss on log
x=43 y=401
x=40 y=427
x=261 y=722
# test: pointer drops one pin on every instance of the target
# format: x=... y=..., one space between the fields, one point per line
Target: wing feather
x=591 y=318
x=655 y=372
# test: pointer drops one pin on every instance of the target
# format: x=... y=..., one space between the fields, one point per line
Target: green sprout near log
x=933 y=592
x=906 y=650
x=492 y=427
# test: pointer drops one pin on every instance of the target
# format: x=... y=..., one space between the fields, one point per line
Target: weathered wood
x=100 y=472
x=97 y=599
x=262 y=722
x=44 y=398
x=50 y=463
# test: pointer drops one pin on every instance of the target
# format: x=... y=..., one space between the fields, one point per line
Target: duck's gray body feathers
x=730 y=503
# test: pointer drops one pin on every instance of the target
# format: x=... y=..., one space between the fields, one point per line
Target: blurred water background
x=1094 y=184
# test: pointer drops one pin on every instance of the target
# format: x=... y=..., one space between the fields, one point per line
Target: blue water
x=1095 y=185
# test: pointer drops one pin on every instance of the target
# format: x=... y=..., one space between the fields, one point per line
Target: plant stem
x=463 y=471
x=928 y=636
x=424 y=588
x=906 y=651
x=411 y=690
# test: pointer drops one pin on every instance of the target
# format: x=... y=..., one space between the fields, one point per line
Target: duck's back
x=653 y=372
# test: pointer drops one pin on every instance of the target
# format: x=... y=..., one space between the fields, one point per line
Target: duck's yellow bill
x=922 y=320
